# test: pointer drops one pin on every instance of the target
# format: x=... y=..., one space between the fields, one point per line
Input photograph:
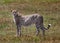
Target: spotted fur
x=28 y=20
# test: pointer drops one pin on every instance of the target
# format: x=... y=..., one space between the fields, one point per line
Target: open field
x=50 y=9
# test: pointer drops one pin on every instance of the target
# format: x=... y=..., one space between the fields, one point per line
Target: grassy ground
x=50 y=9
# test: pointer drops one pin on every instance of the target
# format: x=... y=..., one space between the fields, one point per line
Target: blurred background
x=49 y=9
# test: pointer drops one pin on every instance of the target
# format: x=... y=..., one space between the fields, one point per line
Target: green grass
x=49 y=9
x=28 y=1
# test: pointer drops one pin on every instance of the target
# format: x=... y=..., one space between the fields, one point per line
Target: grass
x=28 y=1
x=50 y=9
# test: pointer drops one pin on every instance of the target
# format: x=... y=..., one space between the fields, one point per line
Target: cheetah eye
x=14 y=12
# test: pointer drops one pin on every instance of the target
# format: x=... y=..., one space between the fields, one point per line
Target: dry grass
x=50 y=11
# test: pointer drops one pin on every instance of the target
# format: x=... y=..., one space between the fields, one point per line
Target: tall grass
x=50 y=9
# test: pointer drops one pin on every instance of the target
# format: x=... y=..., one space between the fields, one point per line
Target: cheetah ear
x=11 y=10
x=14 y=10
